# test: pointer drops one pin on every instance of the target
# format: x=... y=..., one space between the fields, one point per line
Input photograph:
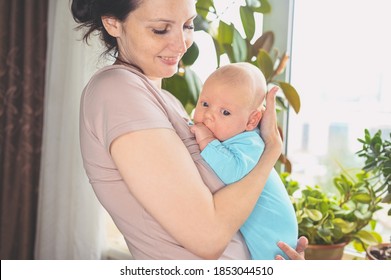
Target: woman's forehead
x=166 y=10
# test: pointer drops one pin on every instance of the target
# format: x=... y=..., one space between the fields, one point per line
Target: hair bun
x=82 y=10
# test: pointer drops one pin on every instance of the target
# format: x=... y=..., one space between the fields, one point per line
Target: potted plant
x=377 y=155
x=332 y=220
x=381 y=251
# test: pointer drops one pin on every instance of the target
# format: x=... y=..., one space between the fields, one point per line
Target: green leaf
x=367 y=237
x=191 y=55
x=265 y=41
x=239 y=48
x=346 y=227
x=291 y=95
x=387 y=198
x=362 y=197
x=178 y=87
x=264 y=8
x=253 y=3
x=325 y=234
x=201 y=23
x=248 y=21
x=358 y=246
x=313 y=214
x=225 y=33
x=219 y=51
x=362 y=216
x=204 y=7
x=313 y=200
x=186 y=87
x=194 y=85
x=265 y=64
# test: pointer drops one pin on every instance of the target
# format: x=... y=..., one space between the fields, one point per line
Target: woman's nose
x=181 y=42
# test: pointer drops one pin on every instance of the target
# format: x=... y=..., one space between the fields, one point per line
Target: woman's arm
x=165 y=180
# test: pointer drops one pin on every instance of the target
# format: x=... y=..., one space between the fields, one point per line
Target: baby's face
x=224 y=109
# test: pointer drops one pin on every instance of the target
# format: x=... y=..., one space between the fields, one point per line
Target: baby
x=226 y=121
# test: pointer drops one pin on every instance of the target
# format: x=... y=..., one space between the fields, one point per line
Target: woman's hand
x=268 y=126
x=293 y=254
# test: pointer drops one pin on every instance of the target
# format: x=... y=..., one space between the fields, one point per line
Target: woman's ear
x=253 y=120
x=112 y=26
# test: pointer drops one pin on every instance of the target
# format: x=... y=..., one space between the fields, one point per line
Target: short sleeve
x=117 y=102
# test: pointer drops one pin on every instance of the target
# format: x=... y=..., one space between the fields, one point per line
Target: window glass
x=341 y=67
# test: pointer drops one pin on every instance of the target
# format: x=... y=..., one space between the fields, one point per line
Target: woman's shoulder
x=118 y=73
x=117 y=80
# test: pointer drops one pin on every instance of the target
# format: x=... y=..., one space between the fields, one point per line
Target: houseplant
x=345 y=216
x=377 y=155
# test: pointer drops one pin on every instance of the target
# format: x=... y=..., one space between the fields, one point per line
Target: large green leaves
x=191 y=55
x=248 y=21
x=225 y=34
x=291 y=95
x=231 y=42
x=204 y=7
x=237 y=51
x=185 y=86
x=260 y=6
x=265 y=63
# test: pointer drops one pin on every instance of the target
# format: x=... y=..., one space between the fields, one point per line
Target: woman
x=139 y=154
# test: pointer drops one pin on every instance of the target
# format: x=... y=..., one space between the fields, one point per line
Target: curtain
x=70 y=218
x=22 y=78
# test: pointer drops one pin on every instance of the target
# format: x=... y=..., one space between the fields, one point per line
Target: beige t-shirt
x=118 y=100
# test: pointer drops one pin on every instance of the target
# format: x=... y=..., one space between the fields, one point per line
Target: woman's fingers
x=302 y=244
x=293 y=254
x=271 y=98
x=268 y=126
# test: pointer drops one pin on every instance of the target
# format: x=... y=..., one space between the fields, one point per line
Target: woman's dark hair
x=88 y=14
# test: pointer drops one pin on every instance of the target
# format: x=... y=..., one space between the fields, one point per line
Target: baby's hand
x=202 y=134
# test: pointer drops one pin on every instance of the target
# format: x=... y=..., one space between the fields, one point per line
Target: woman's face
x=156 y=35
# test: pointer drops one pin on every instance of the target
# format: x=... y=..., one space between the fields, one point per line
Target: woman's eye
x=159 y=31
x=226 y=113
x=189 y=26
x=204 y=104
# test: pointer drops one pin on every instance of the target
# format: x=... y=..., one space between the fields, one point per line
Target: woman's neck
x=156 y=81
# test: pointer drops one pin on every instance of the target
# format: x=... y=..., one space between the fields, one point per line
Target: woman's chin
x=170 y=72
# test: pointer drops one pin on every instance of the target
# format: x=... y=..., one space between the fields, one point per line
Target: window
x=341 y=67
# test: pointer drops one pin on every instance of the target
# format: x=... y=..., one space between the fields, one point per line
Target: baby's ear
x=253 y=120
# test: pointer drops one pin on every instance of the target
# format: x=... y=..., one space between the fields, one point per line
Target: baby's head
x=231 y=99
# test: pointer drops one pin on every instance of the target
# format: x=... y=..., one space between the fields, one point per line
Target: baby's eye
x=204 y=104
x=225 y=112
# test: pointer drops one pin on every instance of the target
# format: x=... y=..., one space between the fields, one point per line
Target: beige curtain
x=70 y=220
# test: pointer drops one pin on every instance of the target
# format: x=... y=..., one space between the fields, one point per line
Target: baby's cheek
x=197 y=118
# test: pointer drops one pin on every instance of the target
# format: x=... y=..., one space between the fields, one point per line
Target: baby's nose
x=208 y=114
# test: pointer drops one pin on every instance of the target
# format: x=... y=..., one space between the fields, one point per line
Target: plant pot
x=325 y=252
x=380 y=251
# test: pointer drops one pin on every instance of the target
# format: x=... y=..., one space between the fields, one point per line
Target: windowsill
x=121 y=253
x=349 y=254
x=116 y=254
